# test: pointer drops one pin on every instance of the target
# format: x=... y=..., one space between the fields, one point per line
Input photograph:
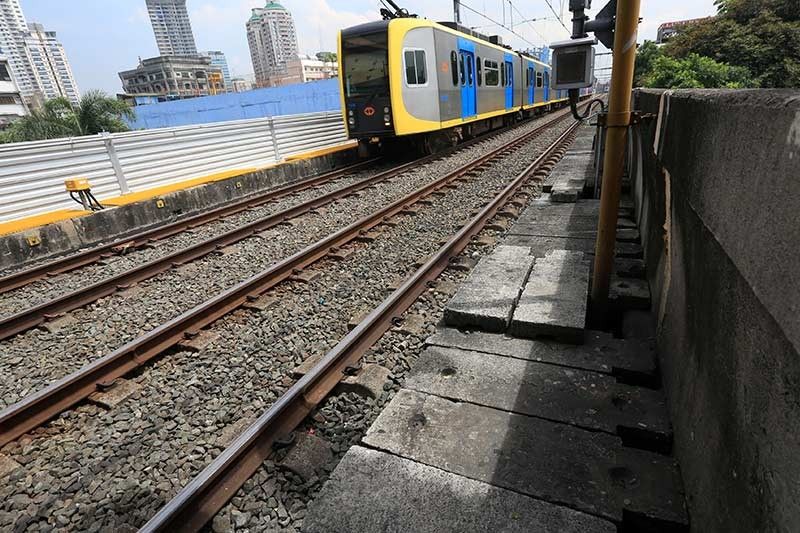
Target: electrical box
x=573 y=63
x=77 y=185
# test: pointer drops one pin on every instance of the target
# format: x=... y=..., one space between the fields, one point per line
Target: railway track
x=207 y=493
x=21 y=278
x=43 y=405
x=41 y=356
x=36 y=315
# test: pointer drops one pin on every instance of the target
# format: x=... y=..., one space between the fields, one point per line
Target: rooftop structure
x=174 y=77
x=669 y=29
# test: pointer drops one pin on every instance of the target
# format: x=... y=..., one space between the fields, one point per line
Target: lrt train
x=434 y=83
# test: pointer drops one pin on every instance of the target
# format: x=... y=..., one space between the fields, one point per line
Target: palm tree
x=96 y=112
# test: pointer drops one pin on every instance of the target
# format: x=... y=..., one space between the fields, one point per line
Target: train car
x=437 y=84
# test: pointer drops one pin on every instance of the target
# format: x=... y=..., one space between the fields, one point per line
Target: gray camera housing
x=573 y=63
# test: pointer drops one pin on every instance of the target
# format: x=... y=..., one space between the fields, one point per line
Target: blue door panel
x=546 y=85
x=509 y=63
x=531 y=85
x=469 y=94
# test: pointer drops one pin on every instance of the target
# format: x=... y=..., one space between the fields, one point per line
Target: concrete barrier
x=718 y=200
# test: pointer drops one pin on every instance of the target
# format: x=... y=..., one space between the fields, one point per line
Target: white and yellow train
x=435 y=83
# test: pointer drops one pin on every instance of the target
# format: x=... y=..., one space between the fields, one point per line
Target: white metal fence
x=32 y=174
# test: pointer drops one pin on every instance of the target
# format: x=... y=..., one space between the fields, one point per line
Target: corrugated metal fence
x=32 y=174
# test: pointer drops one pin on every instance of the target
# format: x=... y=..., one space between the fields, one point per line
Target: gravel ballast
x=94 y=470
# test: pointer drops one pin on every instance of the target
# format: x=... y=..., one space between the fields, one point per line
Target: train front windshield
x=366 y=65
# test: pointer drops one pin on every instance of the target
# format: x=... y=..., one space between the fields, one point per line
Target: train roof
x=382 y=25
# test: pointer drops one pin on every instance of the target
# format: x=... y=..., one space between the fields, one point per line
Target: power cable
x=529 y=22
x=497 y=23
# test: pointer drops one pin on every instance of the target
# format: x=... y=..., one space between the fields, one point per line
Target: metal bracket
x=603 y=25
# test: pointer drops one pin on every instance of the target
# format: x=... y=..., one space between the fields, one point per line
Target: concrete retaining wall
x=71 y=235
x=718 y=197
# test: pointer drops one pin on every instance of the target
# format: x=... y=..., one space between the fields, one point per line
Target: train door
x=509 y=69
x=531 y=82
x=469 y=92
x=546 y=85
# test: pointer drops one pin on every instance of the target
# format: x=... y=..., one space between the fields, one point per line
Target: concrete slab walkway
x=496 y=432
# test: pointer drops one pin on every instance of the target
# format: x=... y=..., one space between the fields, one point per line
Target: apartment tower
x=172 y=28
x=51 y=72
x=273 y=43
x=36 y=58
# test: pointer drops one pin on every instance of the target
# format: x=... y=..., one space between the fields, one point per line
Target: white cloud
x=318 y=23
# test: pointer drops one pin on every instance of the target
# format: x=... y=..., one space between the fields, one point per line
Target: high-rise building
x=172 y=27
x=12 y=28
x=36 y=58
x=11 y=106
x=273 y=42
x=218 y=60
x=51 y=72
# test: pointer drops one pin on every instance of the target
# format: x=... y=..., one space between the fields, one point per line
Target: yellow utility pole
x=617 y=121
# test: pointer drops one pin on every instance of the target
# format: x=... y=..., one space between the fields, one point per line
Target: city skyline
x=85 y=25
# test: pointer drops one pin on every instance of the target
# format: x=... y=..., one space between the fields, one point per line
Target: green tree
x=762 y=36
x=95 y=113
x=694 y=71
x=645 y=56
x=328 y=57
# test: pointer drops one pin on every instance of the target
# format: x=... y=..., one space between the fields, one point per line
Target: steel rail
x=43 y=405
x=36 y=315
x=19 y=279
x=207 y=493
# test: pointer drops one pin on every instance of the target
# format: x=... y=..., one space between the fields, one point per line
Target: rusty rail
x=36 y=315
x=19 y=279
x=207 y=493
x=33 y=316
x=43 y=405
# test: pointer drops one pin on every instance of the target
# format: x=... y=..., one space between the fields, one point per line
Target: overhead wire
x=497 y=23
x=528 y=21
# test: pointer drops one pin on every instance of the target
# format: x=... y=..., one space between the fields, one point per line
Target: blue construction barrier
x=289 y=100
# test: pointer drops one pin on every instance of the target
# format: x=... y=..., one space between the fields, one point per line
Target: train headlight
x=351 y=121
x=351 y=113
x=386 y=110
x=387 y=118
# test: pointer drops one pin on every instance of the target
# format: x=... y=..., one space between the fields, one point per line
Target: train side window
x=463 y=70
x=492 y=73
x=509 y=75
x=479 y=71
x=547 y=78
x=454 y=66
x=503 y=75
x=539 y=80
x=470 y=73
x=416 y=70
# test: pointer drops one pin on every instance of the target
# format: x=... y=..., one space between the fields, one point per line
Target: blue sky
x=103 y=37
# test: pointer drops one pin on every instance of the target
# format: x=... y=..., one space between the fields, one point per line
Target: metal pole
x=274 y=135
x=619 y=114
x=457 y=11
x=108 y=140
